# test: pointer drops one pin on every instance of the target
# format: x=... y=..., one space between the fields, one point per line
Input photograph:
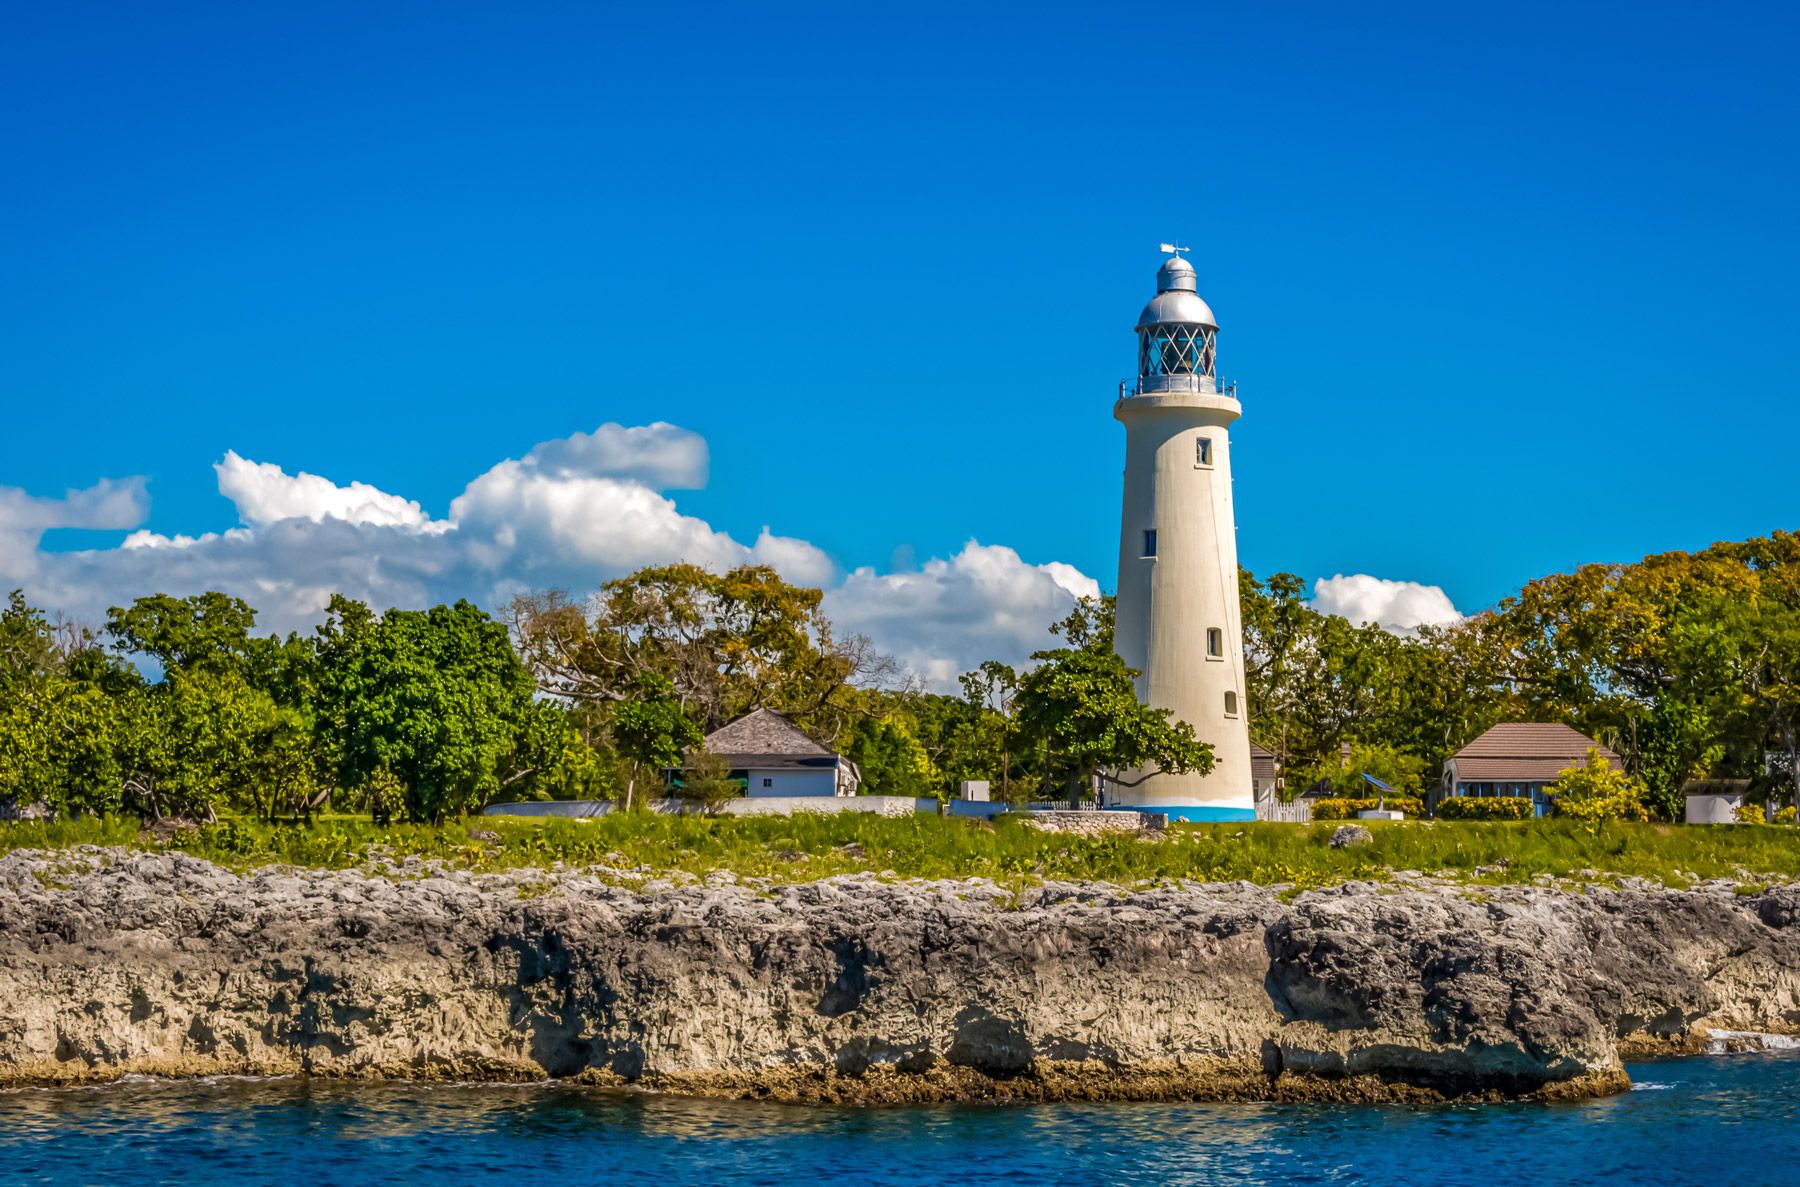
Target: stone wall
x=1097 y=823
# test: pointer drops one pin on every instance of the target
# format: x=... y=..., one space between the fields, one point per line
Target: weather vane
x=1174 y=249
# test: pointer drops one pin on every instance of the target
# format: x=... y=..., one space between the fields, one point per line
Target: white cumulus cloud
x=107 y=505
x=986 y=602
x=661 y=456
x=1399 y=606
x=264 y=493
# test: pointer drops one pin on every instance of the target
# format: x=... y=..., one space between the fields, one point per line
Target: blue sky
x=1505 y=289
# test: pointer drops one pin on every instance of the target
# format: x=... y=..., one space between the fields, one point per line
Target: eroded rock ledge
x=854 y=989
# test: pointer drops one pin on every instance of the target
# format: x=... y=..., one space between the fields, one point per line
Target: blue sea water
x=1720 y=1122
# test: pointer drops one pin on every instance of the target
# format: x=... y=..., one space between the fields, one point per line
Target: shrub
x=1784 y=815
x=384 y=795
x=1751 y=814
x=1462 y=807
x=1596 y=790
x=706 y=782
x=1346 y=809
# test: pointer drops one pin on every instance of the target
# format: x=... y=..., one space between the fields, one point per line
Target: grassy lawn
x=642 y=847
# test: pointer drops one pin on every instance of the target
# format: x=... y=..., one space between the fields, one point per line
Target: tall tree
x=57 y=726
x=438 y=699
x=726 y=643
x=652 y=732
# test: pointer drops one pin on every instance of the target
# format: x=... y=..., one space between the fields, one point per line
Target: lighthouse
x=1179 y=624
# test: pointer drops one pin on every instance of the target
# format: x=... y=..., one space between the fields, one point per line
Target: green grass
x=805 y=847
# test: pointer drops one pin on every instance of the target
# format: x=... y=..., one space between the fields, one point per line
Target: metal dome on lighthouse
x=1177 y=333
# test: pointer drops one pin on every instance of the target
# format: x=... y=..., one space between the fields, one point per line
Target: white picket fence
x=1272 y=807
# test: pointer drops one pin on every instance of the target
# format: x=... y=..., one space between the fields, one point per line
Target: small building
x=1714 y=801
x=1518 y=758
x=1265 y=772
x=1265 y=786
x=772 y=756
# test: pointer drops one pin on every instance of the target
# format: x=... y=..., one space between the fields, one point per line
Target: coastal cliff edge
x=115 y=962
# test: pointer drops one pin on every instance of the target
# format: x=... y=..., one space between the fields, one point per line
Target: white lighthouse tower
x=1179 y=622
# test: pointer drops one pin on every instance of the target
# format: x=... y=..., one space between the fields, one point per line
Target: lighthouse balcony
x=1157 y=385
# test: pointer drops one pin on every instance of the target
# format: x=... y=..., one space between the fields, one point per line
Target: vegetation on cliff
x=641 y=847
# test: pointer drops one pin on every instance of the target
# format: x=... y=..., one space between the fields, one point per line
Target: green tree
x=208 y=631
x=887 y=752
x=57 y=723
x=1079 y=707
x=726 y=643
x=652 y=732
x=229 y=726
x=437 y=698
x=195 y=744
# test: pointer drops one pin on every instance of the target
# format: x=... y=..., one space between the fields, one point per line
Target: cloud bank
x=1399 y=606
x=570 y=513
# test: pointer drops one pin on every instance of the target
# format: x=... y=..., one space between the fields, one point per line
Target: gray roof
x=763 y=734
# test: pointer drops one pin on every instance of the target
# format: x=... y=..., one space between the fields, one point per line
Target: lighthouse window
x=1230 y=703
x=1215 y=643
x=1203 y=451
x=1175 y=350
x=1150 y=542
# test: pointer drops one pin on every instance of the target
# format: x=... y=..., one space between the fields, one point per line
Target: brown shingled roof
x=1525 y=752
x=763 y=732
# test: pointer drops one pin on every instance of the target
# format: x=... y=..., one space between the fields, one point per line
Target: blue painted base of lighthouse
x=1197 y=813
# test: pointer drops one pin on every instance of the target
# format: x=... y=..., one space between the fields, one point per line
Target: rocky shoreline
x=856 y=989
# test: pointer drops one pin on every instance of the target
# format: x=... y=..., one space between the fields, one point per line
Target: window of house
x=1149 y=541
x=1230 y=703
x=768 y=782
x=1215 y=643
x=1203 y=451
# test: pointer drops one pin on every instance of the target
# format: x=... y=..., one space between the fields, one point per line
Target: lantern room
x=1177 y=335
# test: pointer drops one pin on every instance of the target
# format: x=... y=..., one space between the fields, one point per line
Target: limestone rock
x=854 y=988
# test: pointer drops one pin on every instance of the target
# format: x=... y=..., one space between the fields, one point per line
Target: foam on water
x=1722 y=1042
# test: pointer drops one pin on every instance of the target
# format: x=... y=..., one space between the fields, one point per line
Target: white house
x=772 y=757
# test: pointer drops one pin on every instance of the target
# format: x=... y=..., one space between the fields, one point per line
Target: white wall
x=880 y=805
x=1713 y=809
x=1167 y=603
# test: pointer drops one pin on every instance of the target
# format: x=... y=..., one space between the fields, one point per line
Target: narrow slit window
x=1215 y=643
x=1230 y=703
x=1203 y=451
x=1149 y=541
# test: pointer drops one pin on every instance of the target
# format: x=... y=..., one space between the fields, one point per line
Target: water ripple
x=1726 y=1127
